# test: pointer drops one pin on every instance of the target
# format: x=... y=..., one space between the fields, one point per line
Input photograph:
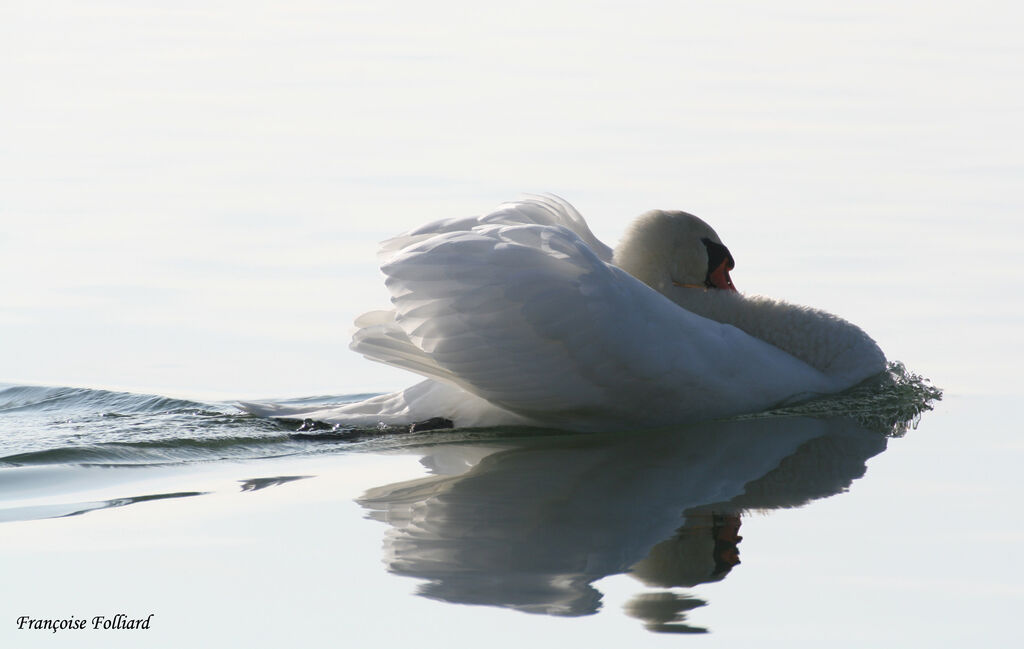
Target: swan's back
x=530 y=318
x=519 y=317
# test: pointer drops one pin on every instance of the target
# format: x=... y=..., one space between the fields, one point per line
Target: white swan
x=523 y=317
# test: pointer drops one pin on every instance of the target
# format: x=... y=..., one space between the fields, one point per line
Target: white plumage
x=523 y=317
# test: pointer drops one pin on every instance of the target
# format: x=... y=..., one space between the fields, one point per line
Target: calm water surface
x=774 y=529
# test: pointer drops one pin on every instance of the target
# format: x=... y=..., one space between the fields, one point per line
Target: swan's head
x=664 y=249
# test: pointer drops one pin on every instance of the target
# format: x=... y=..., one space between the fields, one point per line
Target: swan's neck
x=824 y=341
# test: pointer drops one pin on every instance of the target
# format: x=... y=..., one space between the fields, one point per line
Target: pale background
x=192 y=191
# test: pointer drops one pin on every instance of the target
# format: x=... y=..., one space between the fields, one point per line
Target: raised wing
x=546 y=209
x=530 y=318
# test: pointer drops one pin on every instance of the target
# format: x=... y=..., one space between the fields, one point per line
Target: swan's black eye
x=717 y=253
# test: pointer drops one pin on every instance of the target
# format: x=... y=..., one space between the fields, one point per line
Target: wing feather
x=545 y=209
x=522 y=309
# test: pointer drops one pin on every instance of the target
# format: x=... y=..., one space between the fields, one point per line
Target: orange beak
x=720 y=277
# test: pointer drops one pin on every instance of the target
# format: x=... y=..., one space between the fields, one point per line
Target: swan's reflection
x=531 y=524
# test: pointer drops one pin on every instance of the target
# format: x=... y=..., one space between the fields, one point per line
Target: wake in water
x=890 y=403
x=56 y=425
x=53 y=425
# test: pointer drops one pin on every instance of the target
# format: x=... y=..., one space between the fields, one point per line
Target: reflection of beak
x=727 y=539
x=719 y=277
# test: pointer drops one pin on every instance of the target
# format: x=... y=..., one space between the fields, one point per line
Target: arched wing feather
x=530 y=318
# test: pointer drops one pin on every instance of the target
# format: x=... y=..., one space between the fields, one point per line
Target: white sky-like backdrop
x=191 y=192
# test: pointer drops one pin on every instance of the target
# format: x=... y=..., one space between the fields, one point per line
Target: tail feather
x=380 y=339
